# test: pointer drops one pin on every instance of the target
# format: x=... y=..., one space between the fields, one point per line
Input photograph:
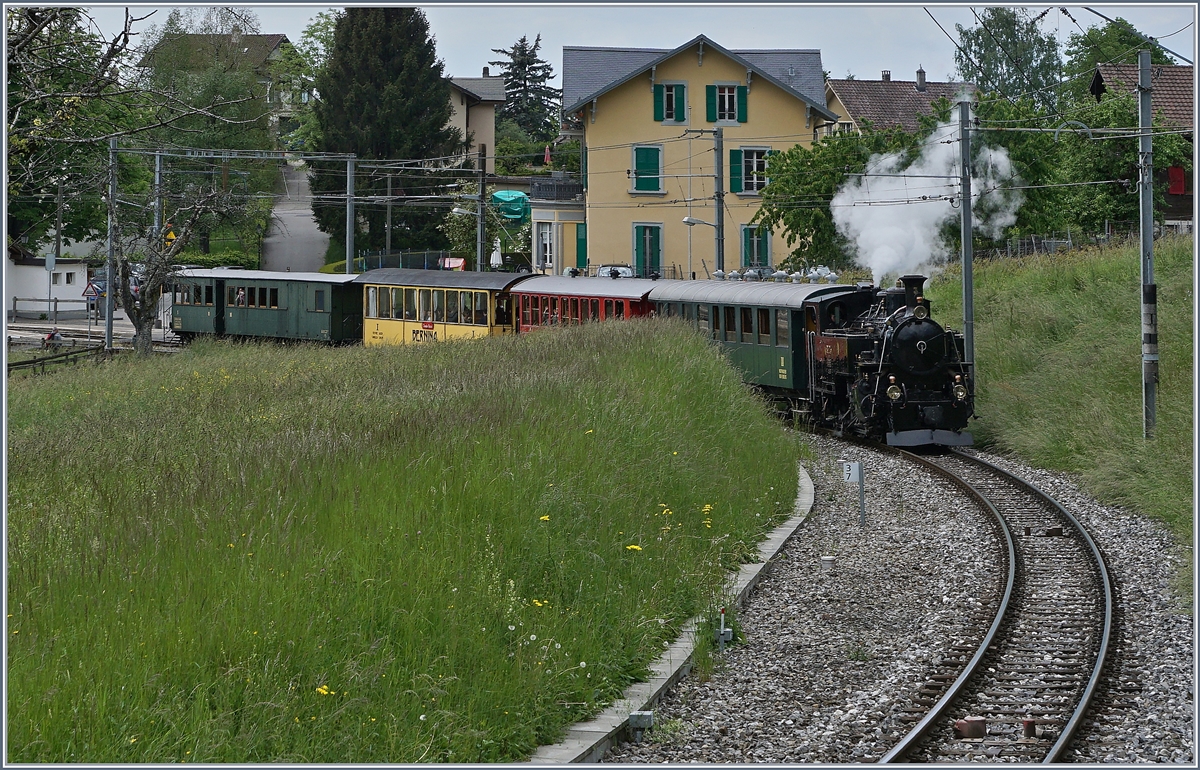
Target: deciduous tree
x=1007 y=52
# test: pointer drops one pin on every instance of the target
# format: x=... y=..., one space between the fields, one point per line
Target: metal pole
x=158 y=207
x=1149 y=289
x=964 y=123
x=719 y=151
x=862 y=496
x=349 y=215
x=387 y=232
x=479 y=225
x=109 y=298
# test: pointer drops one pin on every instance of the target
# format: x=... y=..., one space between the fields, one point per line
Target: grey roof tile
x=590 y=70
x=489 y=89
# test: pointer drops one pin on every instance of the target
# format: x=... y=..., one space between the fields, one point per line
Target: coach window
x=208 y=295
x=385 y=302
x=275 y=298
x=525 y=309
x=425 y=303
x=452 y=307
x=620 y=308
x=608 y=309
x=319 y=300
x=781 y=329
x=503 y=310
x=397 y=303
x=410 y=304
x=196 y=295
x=764 y=326
x=702 y=316
x=372 y=310
x=481 y=308
x=439 y=306
x=465 y=307
x=595 y=306
x=262 y=296
x=252 y=295
x=747 y=325
x=730 y=324
x=550 y=310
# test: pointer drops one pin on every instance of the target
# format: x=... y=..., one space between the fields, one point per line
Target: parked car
x=615 y=271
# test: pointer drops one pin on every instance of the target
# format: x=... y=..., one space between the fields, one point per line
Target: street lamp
x=464 y=211
x=692 y=222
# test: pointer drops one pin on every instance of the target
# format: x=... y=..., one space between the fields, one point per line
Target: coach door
x=219 y=308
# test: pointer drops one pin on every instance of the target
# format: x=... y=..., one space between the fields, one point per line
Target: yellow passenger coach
x=411 y=306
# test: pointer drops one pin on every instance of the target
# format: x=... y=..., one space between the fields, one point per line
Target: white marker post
x=851 y=472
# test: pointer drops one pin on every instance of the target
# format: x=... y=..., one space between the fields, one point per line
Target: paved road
x=294 y=241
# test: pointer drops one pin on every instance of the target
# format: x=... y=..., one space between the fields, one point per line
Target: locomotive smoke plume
x=894 y=215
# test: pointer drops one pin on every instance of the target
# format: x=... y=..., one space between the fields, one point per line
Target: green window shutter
x=646 y=168
x=680 y=104
x=658 y=103
x=770 y=154
x=639 y=250
x=654 y=259
x=581 y=245
x=747 y=245
x=741 y=103
x=735 y=171
x=710 y=103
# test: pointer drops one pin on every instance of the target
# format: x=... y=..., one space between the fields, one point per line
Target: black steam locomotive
x=883 y=368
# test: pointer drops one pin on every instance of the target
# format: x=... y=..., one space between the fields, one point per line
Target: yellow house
x=473 y=103
x=648 y=118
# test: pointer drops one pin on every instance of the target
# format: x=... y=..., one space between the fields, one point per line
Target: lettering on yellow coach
x=424 y=335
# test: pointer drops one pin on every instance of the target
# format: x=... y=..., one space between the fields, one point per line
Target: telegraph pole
x=111 y=286
x=387 y=232
x=964 y=130
x=1149 y=289
x=719 y=169
x=158 y=206
x=349 y=215
x=480 y=232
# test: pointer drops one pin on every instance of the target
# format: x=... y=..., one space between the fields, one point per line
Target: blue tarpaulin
x=512 y=204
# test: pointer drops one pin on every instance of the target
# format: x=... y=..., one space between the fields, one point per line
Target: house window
x=647 y=249
x=70 y=279
x=845 y=127
x=756 y=244
x=55 y=278
x=727 y=103
x=647 y=169
x=545 y=246
x=754 y=170
x=670 y=103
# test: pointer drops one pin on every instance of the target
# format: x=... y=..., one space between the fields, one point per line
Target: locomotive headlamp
x=958 y=378
x=892 y=379
x=894 y=392
x=960 y=392
x=920 y=312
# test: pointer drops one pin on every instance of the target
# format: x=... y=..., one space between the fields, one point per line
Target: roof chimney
x=921 y=79
x=236 y=35
x=887 y=76
x=485 y=72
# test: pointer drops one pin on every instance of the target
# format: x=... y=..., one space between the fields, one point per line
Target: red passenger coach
x=553 y=300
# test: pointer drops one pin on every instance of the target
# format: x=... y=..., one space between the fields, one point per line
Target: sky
x=858 y=39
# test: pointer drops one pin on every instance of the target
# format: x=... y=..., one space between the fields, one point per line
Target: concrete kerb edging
x=587 y=741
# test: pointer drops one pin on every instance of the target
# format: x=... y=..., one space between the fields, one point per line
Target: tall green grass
x=1058 y=345
x=444 y=553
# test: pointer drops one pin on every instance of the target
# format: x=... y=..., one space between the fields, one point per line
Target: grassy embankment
x=449 y=553
x=1058 y=343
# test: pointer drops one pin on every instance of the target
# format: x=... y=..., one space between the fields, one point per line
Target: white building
x=30 y=292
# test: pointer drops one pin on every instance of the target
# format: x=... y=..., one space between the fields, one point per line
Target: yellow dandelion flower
x=633 y=548
x=588 y=431
x=545 y=518
x=133 y=740
x=674 y=453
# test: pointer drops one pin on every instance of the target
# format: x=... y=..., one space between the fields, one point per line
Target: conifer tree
x=530 y=103
x=383 y=97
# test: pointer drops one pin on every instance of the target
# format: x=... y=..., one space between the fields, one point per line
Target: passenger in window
x=241 y=297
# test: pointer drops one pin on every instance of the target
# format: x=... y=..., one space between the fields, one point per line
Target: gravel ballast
x=827 y=661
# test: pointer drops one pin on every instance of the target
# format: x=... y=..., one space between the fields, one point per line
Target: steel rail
x=1085 y=699
x=922 y=727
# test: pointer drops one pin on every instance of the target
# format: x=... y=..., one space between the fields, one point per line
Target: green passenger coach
x=258 y=303
x=760 y=325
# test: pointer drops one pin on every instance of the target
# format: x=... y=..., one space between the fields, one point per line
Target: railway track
x=1020 y=694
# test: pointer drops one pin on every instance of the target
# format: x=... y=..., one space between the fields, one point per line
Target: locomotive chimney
x=912 y=289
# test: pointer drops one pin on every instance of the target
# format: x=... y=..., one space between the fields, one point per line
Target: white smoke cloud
x=894 y=214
